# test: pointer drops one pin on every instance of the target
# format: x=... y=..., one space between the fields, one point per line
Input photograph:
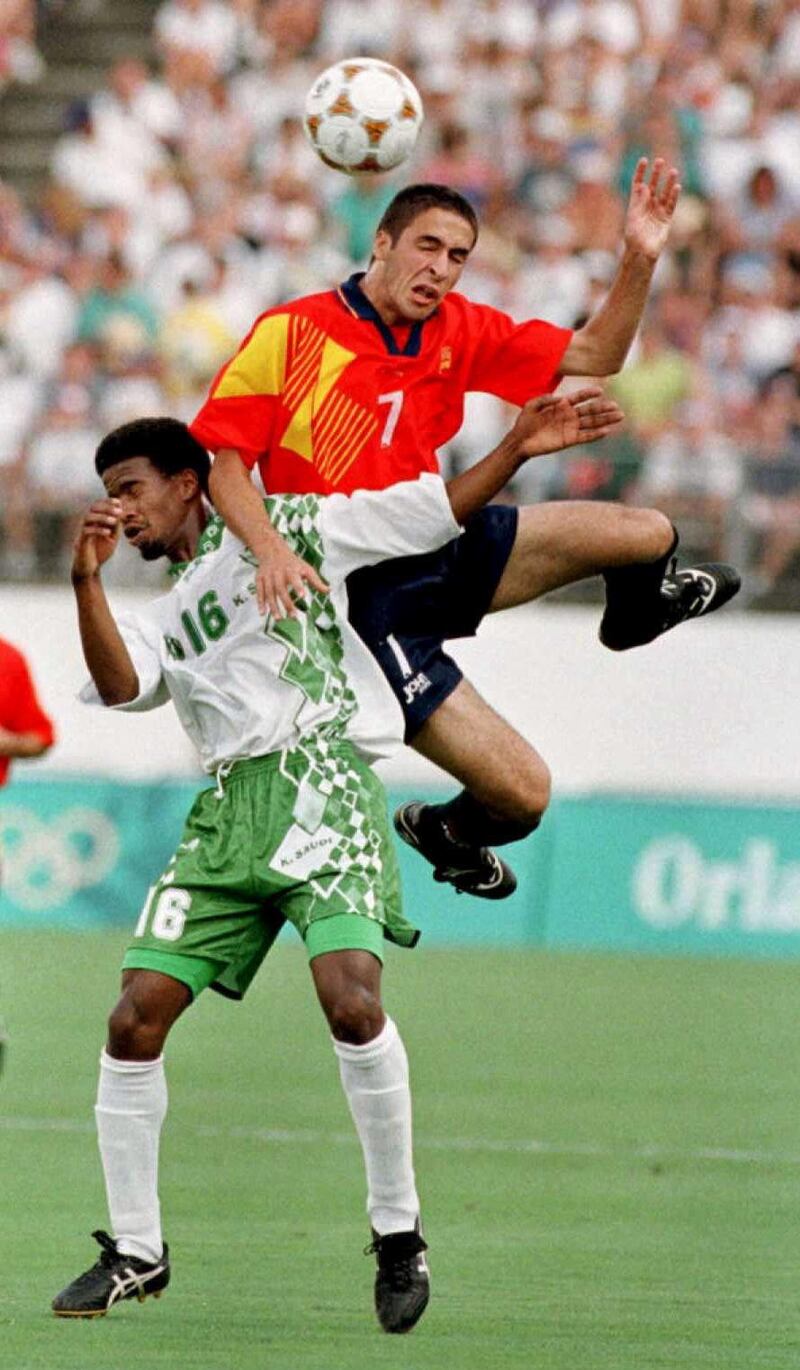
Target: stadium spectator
x=457 y=162
x=350 y=26
x=41 y=315
x=116 y=314
x=657 y=380
x=91 y=167
x=693 y=472
x=20 y=60
x=59 y=475
x=205 y=29
x=771 y=500
x=133 y=106
x=356 y=211
x=218 y=140
x=195 y=339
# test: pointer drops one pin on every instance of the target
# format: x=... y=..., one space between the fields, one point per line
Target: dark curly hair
x=167 y=443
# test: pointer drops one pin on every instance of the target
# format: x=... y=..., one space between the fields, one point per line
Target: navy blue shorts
x=405 y=609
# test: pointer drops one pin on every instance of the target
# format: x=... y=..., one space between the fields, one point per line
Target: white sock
x=131 y=1107
x=375 y=1080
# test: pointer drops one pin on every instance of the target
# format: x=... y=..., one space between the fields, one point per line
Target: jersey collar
x=209 y=541
x=354 y=299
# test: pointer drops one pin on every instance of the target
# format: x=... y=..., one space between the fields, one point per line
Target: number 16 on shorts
x=169 y=909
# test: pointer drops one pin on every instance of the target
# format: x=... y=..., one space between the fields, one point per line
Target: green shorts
x=299 y=836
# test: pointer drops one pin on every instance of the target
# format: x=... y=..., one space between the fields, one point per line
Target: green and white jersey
x=244 y=685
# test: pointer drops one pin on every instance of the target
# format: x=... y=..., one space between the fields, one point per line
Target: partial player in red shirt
x=25 y=729
x=360 y=387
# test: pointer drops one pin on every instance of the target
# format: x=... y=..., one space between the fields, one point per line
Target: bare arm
x=281 y=575
x=547 y=424
x=22 y=744
x=601 y=346
x=105 y=652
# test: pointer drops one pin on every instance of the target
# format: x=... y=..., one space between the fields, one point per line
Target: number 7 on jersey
x=394 y=399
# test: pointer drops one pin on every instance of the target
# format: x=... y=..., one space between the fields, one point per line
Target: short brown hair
x=412 y=201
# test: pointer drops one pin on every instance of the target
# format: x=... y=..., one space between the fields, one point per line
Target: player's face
x=154 y=506
x=423 y=264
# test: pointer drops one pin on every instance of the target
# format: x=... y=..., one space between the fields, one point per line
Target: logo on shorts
x=417 y=686
x=302 y=852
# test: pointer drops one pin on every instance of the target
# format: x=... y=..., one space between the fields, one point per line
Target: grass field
x=608 y=1152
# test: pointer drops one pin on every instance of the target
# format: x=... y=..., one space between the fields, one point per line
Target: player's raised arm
x=281 y=575
x=546 y=424
x=601 y=346
x=105 y=652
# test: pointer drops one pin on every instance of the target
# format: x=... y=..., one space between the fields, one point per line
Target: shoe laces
x=400 y=1274
x=397 y=1258
x=670 y=587
x=687 y=593
x=109 y=1254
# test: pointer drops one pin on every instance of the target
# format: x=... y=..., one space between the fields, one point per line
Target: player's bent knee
x=136 y=1029
x=355 y=1015
x=653 y=533
x=527 y=795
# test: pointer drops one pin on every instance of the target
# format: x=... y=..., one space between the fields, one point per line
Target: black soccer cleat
x=689 y=593
x=402 y=1284
x=113 y=1278
x=470 y=870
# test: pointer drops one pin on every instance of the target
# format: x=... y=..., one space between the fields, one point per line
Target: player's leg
x=404 y=610
x=506 y=791
x=344 y=910
x=197 y=928
x=129 y=1113
x=558 y=544
x=373 y=1068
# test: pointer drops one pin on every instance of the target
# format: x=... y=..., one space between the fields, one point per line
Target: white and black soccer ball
x=362 y=115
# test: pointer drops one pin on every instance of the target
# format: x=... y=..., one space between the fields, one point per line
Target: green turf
x=624 y=1244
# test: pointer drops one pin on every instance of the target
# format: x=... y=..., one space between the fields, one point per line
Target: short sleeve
x=515 y=361
x=142 y=640
x=369 y=526
x=241 y=409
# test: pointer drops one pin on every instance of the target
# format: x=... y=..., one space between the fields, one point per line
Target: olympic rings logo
x=46 y=861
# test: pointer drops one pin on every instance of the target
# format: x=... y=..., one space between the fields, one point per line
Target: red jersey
x=20 y=710
x=324 y=396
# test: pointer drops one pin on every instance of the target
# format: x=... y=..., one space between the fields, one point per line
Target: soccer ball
x=362 y=115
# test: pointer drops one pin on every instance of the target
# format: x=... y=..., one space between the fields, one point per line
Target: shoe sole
x=102 y=1312
x=445 y=876
x=724 y=581
x=402 y=829
x=401 y=1331
x=503 y=885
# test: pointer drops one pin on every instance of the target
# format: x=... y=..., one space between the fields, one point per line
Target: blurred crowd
x=183 y=200
x=20 y=60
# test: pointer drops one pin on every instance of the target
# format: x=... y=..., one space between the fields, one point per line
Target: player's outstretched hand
x=651 y=207
x=97 y=538
x=282 y=578
x=553 y=422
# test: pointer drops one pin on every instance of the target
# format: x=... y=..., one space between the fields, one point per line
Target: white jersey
x=244 y=685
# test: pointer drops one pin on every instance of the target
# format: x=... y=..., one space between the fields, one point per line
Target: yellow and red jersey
x=325 y=397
